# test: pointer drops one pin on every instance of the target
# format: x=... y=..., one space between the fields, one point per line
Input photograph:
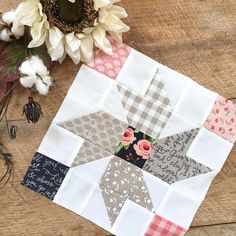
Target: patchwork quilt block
x=134 y=146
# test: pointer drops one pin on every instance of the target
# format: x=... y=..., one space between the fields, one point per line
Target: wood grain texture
x=195 y=37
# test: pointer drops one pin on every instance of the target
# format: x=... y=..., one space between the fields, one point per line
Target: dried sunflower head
x=72 y=27
x=68 y=16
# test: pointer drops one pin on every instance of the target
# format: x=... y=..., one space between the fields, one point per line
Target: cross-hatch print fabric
x=131 y=156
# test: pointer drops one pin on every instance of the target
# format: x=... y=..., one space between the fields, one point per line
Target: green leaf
x=42 y=53
x=118 y=148
x=152 y=140
x=126 y=147
x=11 y=58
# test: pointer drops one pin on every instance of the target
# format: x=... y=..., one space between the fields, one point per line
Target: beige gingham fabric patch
x=157 y=93
x=142 y=113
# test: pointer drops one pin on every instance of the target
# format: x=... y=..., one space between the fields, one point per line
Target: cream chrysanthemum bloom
x=72 y=27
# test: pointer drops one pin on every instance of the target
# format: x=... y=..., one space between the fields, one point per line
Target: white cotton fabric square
x=133 y=220
x=94 y=170
x=210 y=149
x=196 y=187
x=178 y=208
x=96 y=210
x=175 y=83
x=90 y=87
x=177 y=124
x=156 y=188
x=113 y=105
x=75 y=191
x=60 y=145
x=138 y=72
x=196 y=103
x=72 y=108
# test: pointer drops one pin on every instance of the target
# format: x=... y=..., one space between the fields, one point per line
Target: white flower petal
x=56 y=44
x=116 y=36
x=118 y=11
x=41 y=87
x=113 y=23
x=87 y=49
x=100 y=40
x=75 y=56
x=72 y=42
x=56 y=54
x=8 y=17
x=39 y=33
x=55 y=36
x=27 y=13
x=38 y=66
x=28 y=81
x=73 y=1
x=63 y=57
x=5 y=35
x=101 y=3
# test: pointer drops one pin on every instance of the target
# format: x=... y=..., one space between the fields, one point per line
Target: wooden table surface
x=194 y=37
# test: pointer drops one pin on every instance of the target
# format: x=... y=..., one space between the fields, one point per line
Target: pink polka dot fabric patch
x=222 y=119
x=111 y=65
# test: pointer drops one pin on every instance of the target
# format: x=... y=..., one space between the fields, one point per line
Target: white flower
x=78 y=44
x=35 y=75
x=8 y=33
x=8 y=17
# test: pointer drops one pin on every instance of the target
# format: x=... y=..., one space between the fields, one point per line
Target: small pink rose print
x=220 y=129
x=128 y=137
x=217 y=111
x=232 y=120
x=212 y=127
x=230 y=130
x=216 y=120
x=143 y=148
x=226 y=100
x=226 y=108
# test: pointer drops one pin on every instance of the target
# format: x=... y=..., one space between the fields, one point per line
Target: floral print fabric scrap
x=135 y=147
x=222 y=119
x=160 y=226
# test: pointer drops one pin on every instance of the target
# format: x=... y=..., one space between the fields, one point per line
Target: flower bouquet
x=39 y=32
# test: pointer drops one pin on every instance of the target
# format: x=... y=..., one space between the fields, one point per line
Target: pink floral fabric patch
x=111 y=65
x=135 y=147
x=222 y=119
x=160 y=226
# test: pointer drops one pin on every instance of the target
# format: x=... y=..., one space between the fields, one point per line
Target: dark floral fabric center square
x=135 y=147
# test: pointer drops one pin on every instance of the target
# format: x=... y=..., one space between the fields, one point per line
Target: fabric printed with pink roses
x=222 y=119
x=135 y=147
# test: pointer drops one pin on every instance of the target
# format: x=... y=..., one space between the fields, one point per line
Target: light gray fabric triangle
x=181 y=141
